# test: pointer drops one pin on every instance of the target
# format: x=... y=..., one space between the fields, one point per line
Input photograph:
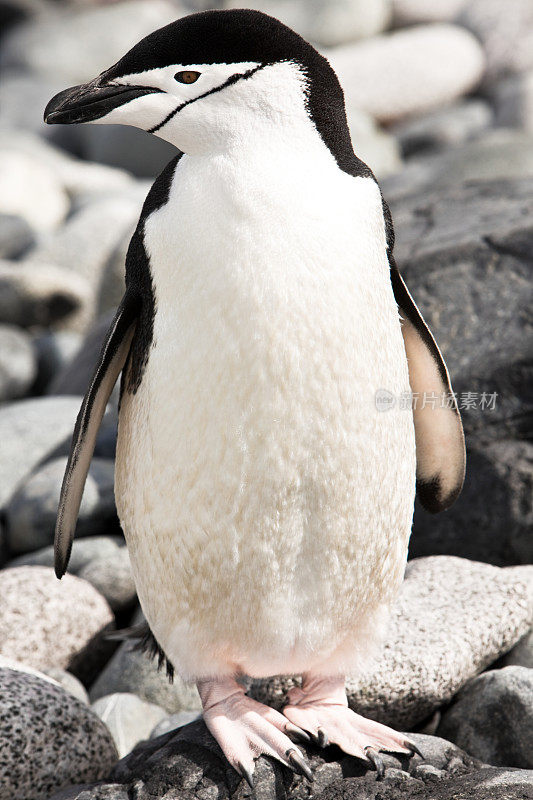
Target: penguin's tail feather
x=145 y=642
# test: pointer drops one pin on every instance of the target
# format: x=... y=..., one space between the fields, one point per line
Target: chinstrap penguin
x=266 y=497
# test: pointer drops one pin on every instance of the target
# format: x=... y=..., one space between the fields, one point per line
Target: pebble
x=32 y=511
x=492 y=718
x=129 y=719
x=369 y=74
x=32 y=431
x=48 y=739
x=17 y=363
x=111 y=575
x=412 y=12
x=449 y=126
x=48 y=623
x=53 y=350
x=75 y=376
x=32 y=191
x=372 y=144
x=125 y=148
x=453 y=618
x=522 y=653
x=173 y=722
x=16 y=236
x=84 y=550
x=513 y=101
x=41 y=294
x=326 y=22
x=68 y=682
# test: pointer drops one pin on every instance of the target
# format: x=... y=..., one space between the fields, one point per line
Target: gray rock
x=413 y=12
x=522 y=653
x=375 y=146
x=41 y=294
x=513 y=101
x=32 y=191
x=32 y=511
x=188 y=764
x=69 y=683
x=84 y=550
x=132 y=671
x=75 y=376
x=48 y=739
x=17 y=363
x=111 y=575
x=453 y=619
x=492 y=718
x=32 y=431
x=49 y=623
x=125 y=148
x=173 y=722
x=53 y=350
x=452 y=125
x=16 y=236
x=505 y=31
x=492 y=519
x=328 y=22
x=369 y=74
x=129 y=719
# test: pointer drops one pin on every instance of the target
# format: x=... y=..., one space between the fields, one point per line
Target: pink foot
x=320 y=707
x=246 y=729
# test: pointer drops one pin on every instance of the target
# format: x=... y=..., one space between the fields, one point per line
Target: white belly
x=266 y=502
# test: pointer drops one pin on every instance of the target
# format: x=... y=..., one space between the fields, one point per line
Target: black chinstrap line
x=231 y=80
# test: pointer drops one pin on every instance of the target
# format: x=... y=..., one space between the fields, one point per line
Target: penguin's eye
x=187 y=76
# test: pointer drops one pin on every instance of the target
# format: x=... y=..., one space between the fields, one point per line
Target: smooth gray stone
x=69 y=683
x=173 y=722
x=32 y=511
x=31 y=432
x=129 y=719
x=453 y=619
x=53 y=350
x=84 y=550
x=492 y=718
x=445 y=127
x=48 y=739
x=75 y=375
x=16 y=236
x=17 y=363
x=111 y=575
x=522 y=653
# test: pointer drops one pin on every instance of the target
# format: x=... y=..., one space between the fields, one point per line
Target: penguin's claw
x=411 y=746
x=299 y=764
x=375 y=759
x=245 y=773
x=322 y=737
x=297 y=733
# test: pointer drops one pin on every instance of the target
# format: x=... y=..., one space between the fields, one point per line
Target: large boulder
x=48 y=739
x=453 y=619
x=49 y=623
x=502 y=695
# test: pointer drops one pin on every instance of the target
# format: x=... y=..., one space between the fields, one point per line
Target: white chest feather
x=266 y=502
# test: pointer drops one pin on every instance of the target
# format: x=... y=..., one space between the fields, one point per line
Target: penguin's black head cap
x=141 y=88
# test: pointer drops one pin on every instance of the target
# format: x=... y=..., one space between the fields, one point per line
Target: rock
x=41 y=294
x=522 y=653
x=453 y=619
x=106 y=33
x=84 y=550
x=48 y=739
x=445 y=127
x=32 y=511
x=512 y=99
x=16 y=236
x=111 y=576
x=450 y=242
x=125 y=148
x=412 y=12
x=32 y=431
x=49 y=623
x=17 y=363
x=129 y=719
x=506 y=33
x=505 y=695
x=173 y=722
x=373 y=145
x=31 y=190
x=497 y=487
x=369 y=74
x=53 y=350
x=76 y=375
x=134 y=672
x=69 y=683
x=188 y=764
x=328 y=22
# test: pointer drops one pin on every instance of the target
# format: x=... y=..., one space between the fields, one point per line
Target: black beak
x=90 y=101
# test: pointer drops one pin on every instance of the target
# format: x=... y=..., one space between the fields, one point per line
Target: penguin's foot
x=320 y=707
x=246 y=729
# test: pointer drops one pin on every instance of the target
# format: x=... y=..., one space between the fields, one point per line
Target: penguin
x=269 y=447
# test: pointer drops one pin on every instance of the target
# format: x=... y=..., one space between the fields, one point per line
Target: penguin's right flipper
x=112 y=359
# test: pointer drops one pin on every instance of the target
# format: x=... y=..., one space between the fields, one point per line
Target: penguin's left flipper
x=112 y=359
x=440 y=444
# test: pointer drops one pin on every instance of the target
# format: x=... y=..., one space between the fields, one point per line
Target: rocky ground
x=439 y=99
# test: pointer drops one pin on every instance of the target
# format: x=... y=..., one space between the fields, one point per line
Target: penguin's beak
x=90 y=101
